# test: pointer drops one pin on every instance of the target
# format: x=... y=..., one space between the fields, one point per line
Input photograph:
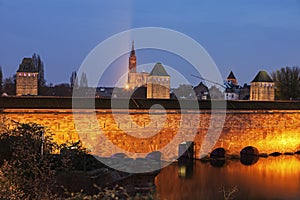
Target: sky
x=244 y=36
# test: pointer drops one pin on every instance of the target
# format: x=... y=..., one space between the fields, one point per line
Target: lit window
x=24 y=74
x=20 y=74
x=28 y=74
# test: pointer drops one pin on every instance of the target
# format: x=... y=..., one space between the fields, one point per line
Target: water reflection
x=268 y=178
x=249 y=159
x=217 y=163
x=185 y=168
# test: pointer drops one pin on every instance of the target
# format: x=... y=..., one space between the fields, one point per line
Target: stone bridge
x=140 y=132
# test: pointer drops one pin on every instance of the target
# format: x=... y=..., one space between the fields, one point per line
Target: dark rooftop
x=231 y=75
x=158 y=70
x=27 y=66
x=262 y=76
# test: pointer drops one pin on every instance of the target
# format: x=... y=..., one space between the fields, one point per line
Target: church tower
x=135 y=79
x=132 y=60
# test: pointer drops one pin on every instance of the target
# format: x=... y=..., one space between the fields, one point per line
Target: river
x=268 y=178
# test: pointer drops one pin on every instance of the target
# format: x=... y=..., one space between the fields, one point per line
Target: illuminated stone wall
x=268 y=131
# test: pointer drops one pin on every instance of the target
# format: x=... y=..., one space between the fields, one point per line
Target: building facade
x=27 y=78
x=158 y=83
x=262 y=87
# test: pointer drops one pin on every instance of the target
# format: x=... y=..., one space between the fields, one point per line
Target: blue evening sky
x=243 y=36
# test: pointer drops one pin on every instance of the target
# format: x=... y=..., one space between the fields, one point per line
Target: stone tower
x=27 y=78
x=262 y=87
x=158 y=83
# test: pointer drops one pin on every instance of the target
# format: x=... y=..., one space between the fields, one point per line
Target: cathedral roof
x=262 y=76
x=27 y=66
x=158 y=70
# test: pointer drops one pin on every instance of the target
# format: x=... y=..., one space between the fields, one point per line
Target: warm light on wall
x=126 y=87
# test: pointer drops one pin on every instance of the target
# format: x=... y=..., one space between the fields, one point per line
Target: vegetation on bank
x=287 y=82
x=29 y=168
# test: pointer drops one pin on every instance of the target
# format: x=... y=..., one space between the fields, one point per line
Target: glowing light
x=182 y=171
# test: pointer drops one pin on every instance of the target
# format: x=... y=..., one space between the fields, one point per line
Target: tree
x=215 y=93
x=83 y=80
x=39 y=65
x=73 y=80
x=27 y=171
x=9 y=85
x=184 y=91
x=287 y=82
x=62 y=89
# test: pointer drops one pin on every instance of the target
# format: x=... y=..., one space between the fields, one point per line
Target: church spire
x=132 y=60
x=132 y=53
x=132 y=47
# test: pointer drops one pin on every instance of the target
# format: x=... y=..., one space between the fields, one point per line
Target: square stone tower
x=158 y=83
x=262 y=87
x=27 y=78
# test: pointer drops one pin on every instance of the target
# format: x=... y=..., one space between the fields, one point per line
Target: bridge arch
x=249 y=151
x=218 y=153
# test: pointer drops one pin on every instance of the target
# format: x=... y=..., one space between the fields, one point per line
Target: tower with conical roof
x=262 y=87
x=231 y=79
x=27 y=78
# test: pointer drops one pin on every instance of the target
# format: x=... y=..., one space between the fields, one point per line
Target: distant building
x=231 y=79
x=157 y=83
x=232 y=88
x=201 y=91
x=27 y=78
x=234 y=91
x=262 y=87
x=244 y=92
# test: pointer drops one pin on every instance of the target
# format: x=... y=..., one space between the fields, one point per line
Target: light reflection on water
x=268 y=178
